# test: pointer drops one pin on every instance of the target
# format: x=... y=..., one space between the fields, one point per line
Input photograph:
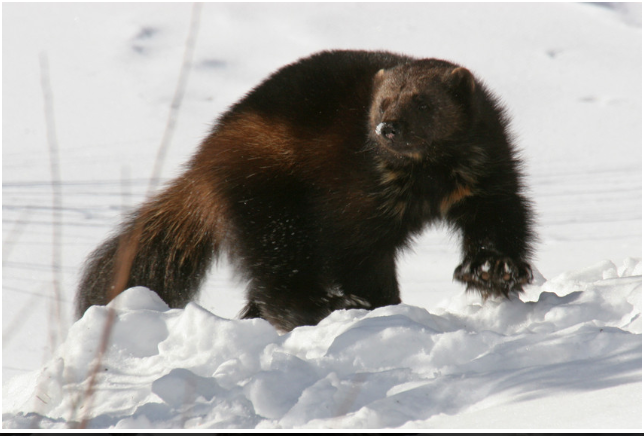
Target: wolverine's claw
x=494 y=275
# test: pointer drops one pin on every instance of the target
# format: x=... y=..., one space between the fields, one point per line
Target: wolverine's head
x=418 y=105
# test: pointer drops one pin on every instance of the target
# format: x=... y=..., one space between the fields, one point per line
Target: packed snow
x=565 y=354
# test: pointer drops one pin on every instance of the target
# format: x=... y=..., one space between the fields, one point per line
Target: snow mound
x=397 y=366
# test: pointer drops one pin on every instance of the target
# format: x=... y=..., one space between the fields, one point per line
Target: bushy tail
x=167 y=245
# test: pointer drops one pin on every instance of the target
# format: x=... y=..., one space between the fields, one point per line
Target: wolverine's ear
x=379 y=77
x=462 y=81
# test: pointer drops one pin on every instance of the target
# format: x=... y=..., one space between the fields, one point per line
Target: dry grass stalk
x=127 y=248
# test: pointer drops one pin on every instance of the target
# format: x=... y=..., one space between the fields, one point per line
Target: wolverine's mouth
x=405 y=151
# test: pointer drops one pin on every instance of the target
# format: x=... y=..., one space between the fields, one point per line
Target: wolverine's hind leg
x=289 y=284
x=305 y=293
x=276 y=244
x=287 y=304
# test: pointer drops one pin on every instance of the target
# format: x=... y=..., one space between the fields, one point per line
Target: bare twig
x=129 y=244
x=347 y=403
x=126 y=188
x=123 y=262
x=178 y=97
x=57 y=199
x=52 y=141
x=89 y=393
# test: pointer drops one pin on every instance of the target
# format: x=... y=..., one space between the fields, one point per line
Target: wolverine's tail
x=166 y=245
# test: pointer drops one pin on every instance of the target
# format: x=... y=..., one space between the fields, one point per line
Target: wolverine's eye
x=383 y=105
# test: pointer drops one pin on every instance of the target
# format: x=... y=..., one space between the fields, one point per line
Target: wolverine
x=316 y=180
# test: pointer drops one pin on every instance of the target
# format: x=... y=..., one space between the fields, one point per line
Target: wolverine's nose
x=388 y=129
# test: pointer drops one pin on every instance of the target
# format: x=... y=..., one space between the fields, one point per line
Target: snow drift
x=397 y=366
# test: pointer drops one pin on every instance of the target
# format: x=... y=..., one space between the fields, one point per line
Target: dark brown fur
x=318 y=177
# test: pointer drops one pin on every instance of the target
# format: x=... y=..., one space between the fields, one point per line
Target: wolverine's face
x=418 y=105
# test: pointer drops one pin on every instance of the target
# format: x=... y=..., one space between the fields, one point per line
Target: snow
x=393 y=367
x=566 y=354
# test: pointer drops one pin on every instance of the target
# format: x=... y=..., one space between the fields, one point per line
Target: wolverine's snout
x=389 y=129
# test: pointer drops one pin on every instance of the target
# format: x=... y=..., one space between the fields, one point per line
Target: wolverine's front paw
x=492 y=274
